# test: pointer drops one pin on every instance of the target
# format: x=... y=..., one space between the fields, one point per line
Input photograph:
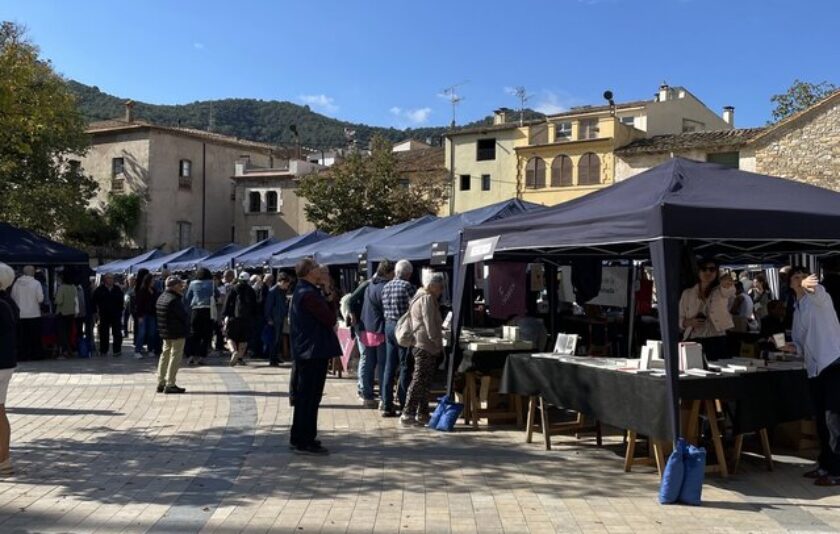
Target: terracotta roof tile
x=688 y=141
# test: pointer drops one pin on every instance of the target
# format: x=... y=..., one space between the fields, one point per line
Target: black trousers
x=201 y=332
x=29 y=339
x=110 y=327
x=311 y=375
x=825 y=395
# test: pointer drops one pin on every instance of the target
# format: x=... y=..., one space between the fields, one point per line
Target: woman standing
x=761 y=297
x=240 y=307
x=66 y=307
x=704 y=310
x=428 y=335
x=145 y=297
x=200 y=298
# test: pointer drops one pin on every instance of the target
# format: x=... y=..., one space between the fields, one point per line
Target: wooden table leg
x=467 y=414
x=475 y=403
x=736 y=452
x=711 y=413
x=630 y=453
x=529 y=424
x=765 y=445
x=599 y=437
x=545 y=425
x=692 y=432
x=517 y=405
x=659 y=454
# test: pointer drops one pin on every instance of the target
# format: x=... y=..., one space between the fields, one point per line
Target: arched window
x=561 y=171
x=271 y=202
x=254 y=202
x=589 y=169
x=535 y=173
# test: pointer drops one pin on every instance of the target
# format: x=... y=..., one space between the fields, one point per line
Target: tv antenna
x=523 y=97
x=453 y=97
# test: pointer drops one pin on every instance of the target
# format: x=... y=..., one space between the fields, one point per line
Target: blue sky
x=386 y=62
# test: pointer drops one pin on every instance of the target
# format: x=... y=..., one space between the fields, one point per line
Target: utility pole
x=523 y=97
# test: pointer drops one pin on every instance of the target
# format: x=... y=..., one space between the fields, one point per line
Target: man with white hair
x=174 y=326
x=395 y=298
x=28 y=295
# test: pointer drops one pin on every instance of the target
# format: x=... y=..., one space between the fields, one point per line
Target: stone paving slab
x=97 y=450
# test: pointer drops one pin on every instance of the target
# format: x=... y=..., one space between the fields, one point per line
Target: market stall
x=159 y=263
x=124 y=266
x=22 y=247
x=259 y=254
x=678 y=209
x=189 y=265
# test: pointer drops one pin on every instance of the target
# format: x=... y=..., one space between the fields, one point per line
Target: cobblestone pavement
x=97 y=450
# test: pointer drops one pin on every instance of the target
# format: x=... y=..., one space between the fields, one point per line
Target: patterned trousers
x=417 y=401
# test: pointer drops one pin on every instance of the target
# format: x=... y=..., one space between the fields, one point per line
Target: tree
x=368 y=191
x=91 y=228
x=123 y=213
x=40 y=133
x=801 y=95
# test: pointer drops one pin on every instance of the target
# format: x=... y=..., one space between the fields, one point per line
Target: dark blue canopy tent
x=124 y=266
x=220 y=262
x=260 y=256
x=290 y=258
x=659 y=214
x=415 y=243
x=22 y=247
x=193 y=263
x=158 y=264
x=348 y=252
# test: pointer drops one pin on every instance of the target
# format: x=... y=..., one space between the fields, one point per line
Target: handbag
x=404 y=331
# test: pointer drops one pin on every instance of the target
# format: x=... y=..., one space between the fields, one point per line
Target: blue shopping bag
x=674 y=475
x=695 y=471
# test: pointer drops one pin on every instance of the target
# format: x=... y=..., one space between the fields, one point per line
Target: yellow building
x=565 y=155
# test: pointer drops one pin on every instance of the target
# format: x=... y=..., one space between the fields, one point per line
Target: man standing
x=314 y=343
x=816 y=335
x=373 y=332
x=28 y=295
x=173 y=325
x=276 y=310
x=396 y=296
x=108 y=307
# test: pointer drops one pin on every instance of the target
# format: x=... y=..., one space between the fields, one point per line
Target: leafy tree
x=368 y=191
x=91 y=228
x=801 y=95
x=123 y=213
x=40 y=131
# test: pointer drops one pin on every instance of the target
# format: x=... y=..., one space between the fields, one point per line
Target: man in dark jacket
x=373 y=332
x=108 y=308
x=173 y=325
x=276 y=310
x=314 y=343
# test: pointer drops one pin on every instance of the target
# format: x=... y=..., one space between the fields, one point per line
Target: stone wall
x=807 y=151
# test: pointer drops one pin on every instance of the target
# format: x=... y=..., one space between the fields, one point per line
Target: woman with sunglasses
x=704 y=310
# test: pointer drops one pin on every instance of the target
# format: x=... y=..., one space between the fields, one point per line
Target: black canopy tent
x=655 y=215
x=22 y=247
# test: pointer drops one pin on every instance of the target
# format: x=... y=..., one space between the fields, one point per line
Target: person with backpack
x=396 y=296
x=426 y=324
x=240 y=308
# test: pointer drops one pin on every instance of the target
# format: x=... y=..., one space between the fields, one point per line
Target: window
x=588 y=129
x=689 y=126
x=184 y=234
x=485 y=182
x=538 y=134
x=628 y=121
x=729 y=159
x=485 y=150
x=563 y=131
x=261 y=235
x=561 y=171
x=74 y=165
x=589 y=169
x=254 y=202
x=535 y=173
x=271 y=202
x=117 y=168
x=185 y=168
x=465 y=182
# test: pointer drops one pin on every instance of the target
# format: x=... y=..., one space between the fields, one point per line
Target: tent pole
x=665 y=254
x=458 y=283
x=551 y=286
x=632 y=309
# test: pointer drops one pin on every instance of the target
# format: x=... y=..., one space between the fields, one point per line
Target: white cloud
x=198 y=46
x=323 y=102
x=550 y=102
x=414 y=116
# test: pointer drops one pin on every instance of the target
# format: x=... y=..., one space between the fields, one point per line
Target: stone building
x=266 y=202
x=804 y=146
x=184 y=176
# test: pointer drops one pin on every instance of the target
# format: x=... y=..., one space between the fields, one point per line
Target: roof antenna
x=453 y=97
x=523 y=97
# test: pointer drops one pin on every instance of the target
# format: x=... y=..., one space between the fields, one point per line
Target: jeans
x=360 y=382
x=368 y=368
x=397 y=360
x=146 y=334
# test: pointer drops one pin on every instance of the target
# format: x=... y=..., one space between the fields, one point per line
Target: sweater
x=65 y=300
x=373 y=313
x=426 y=322
x=28 y=295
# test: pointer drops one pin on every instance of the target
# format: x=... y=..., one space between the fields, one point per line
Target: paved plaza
x=97 y=450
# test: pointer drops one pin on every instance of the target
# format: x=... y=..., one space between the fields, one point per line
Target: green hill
x=259 y=120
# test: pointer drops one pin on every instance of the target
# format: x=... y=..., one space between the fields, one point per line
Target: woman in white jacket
x=704 y=310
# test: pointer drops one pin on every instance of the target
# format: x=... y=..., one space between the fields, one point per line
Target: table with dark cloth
x=485 y=361
x=639 y=402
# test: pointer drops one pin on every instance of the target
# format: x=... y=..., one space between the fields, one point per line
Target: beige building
x=567 y=154
x=266 y=202
x=184 y=175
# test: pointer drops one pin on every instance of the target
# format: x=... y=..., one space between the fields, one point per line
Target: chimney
x=500 y=116
x=663 y=92
x=129 y=111
x=729 y=115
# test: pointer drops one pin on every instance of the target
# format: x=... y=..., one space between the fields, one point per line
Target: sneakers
x=293 y=446
x=312 y=450
x=173 y=389
x=370 y=403
x=161 y=387
x=815 y=473
x=408 y=420
x=138 y=356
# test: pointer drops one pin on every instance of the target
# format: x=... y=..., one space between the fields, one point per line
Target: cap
x=173 y=281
